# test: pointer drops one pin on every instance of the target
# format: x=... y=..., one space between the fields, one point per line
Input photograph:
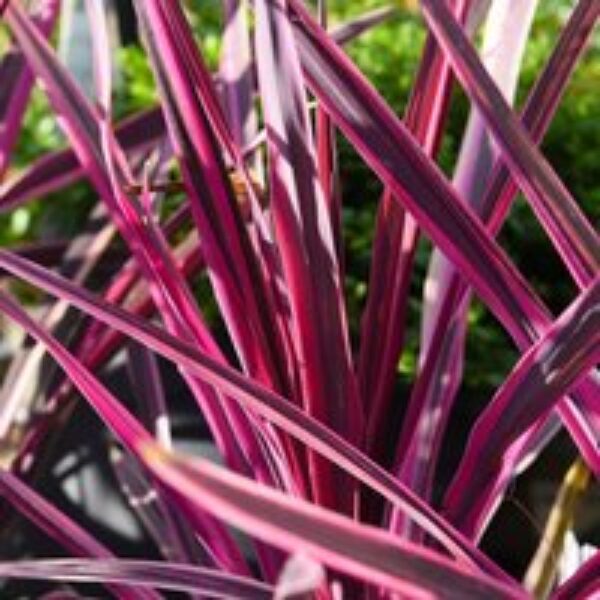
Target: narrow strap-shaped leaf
x=161 y=518
x=101 y=56
x=48 y=253
x=502 y=60
x=203 y=83
x=60 y=527
x=99 y=152
x=249 y=393
x=229 y=256
x=568 y=350
x=145 y=377
x=305 y=242
x=230 y=259
x=167 y=576
x=17 y=82
x=80 y=259
x=440 y=351
x=272 y=321
x=386 y=145
x=348 y=31
x=394 y=247
x=572 y=235
x=235 y=69
x=54 y=170
x=327 y=168
x=542 y=103
x=138 y=441
x=123 y=425
x=337 y=541
x=135 y=133
x=99 y=344
x=327 y=165
x=179 y=320
x=258 y=461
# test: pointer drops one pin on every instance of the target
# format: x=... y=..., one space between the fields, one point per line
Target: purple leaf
x=573 y=236
x=60 y=527
x=327 y=166
x=388 y=147
x=433 y=395
x=350 y=30
x=394 y=247
x=306 y=246
x=99 y=152
x=17 y=81
x=79 y=261
x=231 y=262
x=162 y=518
x=565 y=354
x=392 y=152
x=442 y=345
x=542 y=103
x=145 y=378
x=263 y=401
x=141 y=574
x=339 y=542
x=99 y=344
x=122 y=424
x=52 y=171
x=236 y=71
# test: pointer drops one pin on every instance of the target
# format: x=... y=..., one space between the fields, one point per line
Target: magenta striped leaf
x=264 y=402
x=337 y=541
x=137 y=134
x=236 y=73
x=396 y=237
x=572 y=235
x=161 y=518
x=542 y=103
x=123 y=425
x=232 y=188
x=60 y=527
x=432 y=398
x=565 y=354
x=137 y=440
x=386 y=144
x=388 y=147
x=79 y=262
x=141 y=574
x=17 y=82
x=97 y=149
x=227 y=250
x=439 y=354
x=305 y=241
x=349 y=30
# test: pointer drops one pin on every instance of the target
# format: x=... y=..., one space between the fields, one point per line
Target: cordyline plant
x=334 y=498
